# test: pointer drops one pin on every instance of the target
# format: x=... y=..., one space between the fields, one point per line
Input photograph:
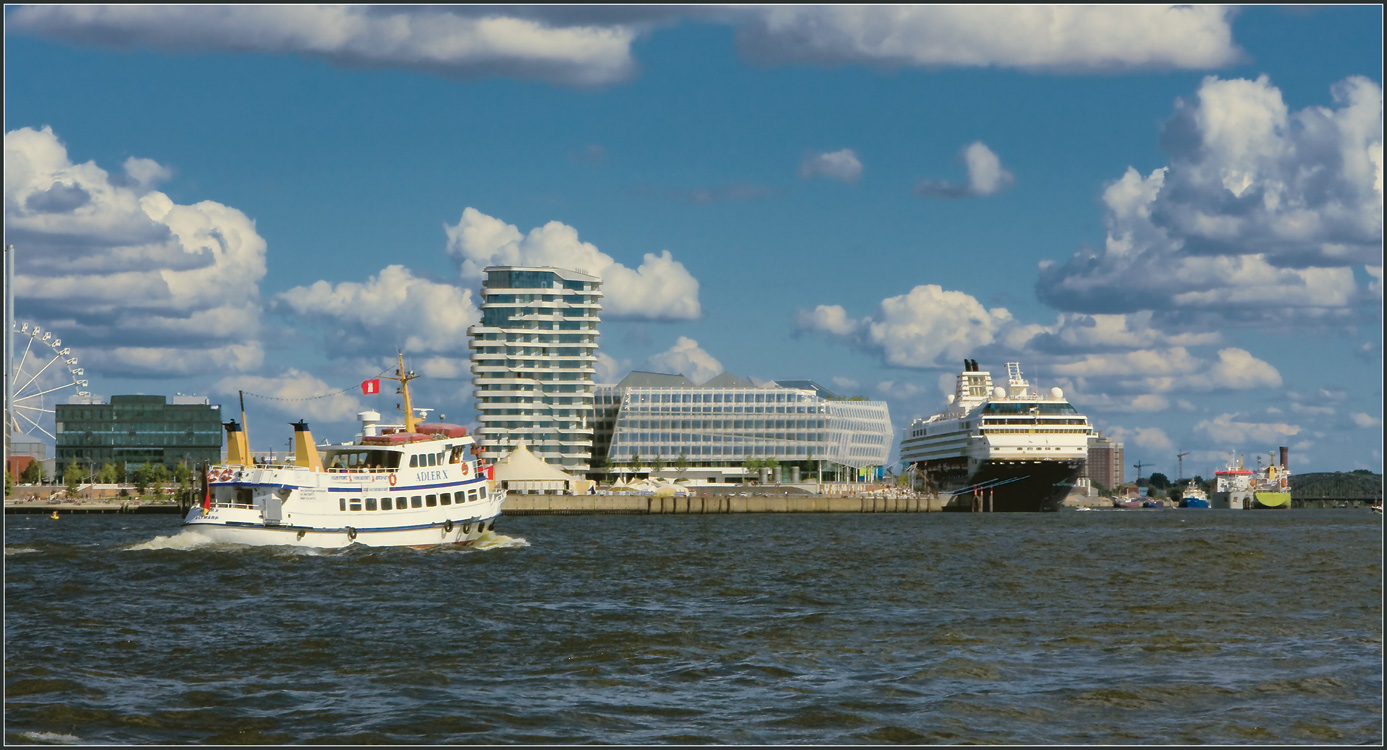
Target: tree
x=1158 y=480
x=143 y=478
x=635 y=462
x=657 y=464
x=603 y=466
x=681 y=464
x=33 y=473
x=73 y=475
x=9 y=484
x=107 y=474
x=183 y=475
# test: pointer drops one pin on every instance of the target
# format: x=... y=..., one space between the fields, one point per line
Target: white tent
x=522 y=471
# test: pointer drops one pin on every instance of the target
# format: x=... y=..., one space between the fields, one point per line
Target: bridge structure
x=1332 y=489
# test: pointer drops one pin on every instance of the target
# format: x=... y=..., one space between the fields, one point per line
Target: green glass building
x=138 y=430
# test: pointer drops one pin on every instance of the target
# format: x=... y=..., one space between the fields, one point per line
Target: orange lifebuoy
x=211 y=475
x=392 y=479
x=465 y=468
x=226 y=474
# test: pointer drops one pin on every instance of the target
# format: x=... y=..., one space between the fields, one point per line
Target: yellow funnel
x=305 y=452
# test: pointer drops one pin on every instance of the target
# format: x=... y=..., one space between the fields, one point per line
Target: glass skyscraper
x=533 y=358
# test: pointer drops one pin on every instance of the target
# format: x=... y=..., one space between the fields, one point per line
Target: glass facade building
x=715 y=427
x=138 y=430
x=533 y=360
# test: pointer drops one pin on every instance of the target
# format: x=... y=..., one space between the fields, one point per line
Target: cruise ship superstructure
x=998 y=447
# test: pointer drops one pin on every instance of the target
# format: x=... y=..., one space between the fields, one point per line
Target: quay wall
x=556 y=505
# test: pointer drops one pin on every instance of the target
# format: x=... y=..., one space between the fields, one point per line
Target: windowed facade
x=718 y=428
x=533 y=360
x=138 y=430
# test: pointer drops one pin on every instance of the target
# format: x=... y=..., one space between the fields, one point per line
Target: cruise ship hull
x=1007 y=486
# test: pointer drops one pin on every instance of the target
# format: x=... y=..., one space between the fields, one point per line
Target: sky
x=1172 y=213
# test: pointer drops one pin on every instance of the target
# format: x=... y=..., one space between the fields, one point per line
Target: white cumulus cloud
x=1028 y=37
x=986 y=176
x=1233 y=430
x=455 y=42
x=393 y=309
x=686 y=358
x=1260 y=219
x=660 y=288
x=842 y=165
x=140 y=284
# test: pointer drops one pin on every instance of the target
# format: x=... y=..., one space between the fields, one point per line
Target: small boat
x=1153 y=504
x=1083 y=508
x=1194 y=497
x=1116 y=503
x=419 y=484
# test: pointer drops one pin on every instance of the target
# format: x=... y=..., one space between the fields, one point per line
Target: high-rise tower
x=533 y=358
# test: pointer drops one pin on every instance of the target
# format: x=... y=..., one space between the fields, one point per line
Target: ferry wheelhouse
x=418 y=484
x=998 y=448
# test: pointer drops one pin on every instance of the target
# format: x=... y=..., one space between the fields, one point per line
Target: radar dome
x=1057 y=392
x=951 y=398
x=999 y=392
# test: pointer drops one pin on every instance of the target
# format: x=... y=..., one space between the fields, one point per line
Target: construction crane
x=1138 y=466
x=1181 y=458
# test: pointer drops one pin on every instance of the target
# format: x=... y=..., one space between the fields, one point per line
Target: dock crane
x=1138 y=466
x=1181 y=458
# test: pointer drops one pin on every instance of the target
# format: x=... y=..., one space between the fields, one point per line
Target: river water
x=1108 y=627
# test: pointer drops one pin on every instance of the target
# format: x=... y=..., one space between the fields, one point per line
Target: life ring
x=448 y=526
x=226 y=475
x=351 y=533
x=211 y=475
x=465 y=469
x=392 y=479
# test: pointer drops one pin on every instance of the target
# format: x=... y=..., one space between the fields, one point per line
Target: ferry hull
x=460 y=533
x=1020 y=486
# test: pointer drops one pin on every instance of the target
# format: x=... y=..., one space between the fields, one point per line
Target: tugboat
x=417 y=485
x=1194 y=497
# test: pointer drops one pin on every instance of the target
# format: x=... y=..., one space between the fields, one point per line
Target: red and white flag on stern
x=371 y=386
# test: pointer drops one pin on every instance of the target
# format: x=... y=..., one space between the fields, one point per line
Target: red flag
x=206 y=497
x=371 y=386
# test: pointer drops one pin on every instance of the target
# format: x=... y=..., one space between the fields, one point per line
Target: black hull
x=1020 y=486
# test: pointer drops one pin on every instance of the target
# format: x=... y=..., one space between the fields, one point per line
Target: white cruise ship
x=998 y=448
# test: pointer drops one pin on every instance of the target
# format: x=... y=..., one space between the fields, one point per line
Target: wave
x=51 y=738
x=491 y=540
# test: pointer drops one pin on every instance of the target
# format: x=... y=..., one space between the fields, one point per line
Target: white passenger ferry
x=417 y=485
x=998 y=448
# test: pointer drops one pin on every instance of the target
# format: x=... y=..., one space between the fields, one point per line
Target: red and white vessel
x=416 y=485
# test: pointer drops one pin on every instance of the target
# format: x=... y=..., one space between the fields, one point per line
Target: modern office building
x=533 y=359
x=708 y=431
x=138 y=430
x=1104 y=462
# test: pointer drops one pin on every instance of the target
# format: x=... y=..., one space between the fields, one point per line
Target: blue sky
x=1173 y=214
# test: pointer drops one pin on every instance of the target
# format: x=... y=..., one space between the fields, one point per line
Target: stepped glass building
x=137 y=430
x=533 y=358
x=708 y=431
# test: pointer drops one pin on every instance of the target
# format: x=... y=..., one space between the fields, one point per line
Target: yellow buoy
x=54 y=516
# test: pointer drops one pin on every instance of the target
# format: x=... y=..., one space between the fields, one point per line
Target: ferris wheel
x=45 y=373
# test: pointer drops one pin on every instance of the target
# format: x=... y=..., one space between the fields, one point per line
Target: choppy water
x=1171 y=627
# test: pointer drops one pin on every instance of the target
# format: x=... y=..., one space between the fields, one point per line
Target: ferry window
x=445 y=498
x=342 y=501
x=401 y=503
x=370 y=503
x=471 y=496
x=392 y=460
x=483 y=491
x=385 y=503
x=433 y=459
x=354 y=506
x=431 y=501
x=413 y=462
x=456 y=455
x=416 y=502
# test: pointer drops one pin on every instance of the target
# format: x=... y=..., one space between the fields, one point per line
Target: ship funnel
x=305 y=452
x=1285 y=458
x=237 y=447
